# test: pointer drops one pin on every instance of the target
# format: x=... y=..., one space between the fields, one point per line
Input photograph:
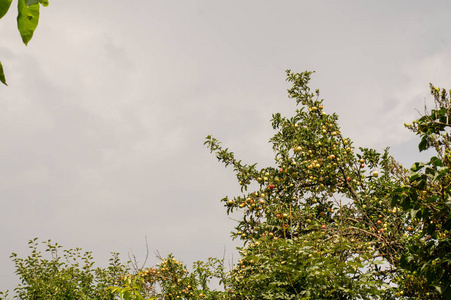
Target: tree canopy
x=329 y=220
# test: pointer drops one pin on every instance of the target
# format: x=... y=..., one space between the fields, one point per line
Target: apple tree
x=320 y=224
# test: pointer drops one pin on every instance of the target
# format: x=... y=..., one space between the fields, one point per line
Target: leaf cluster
x=171 y=279
x=27 y=20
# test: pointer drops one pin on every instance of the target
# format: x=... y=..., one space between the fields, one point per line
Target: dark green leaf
x=406 y=204
x=423 y=144
x=436 y=161
x=27 y=20
x=4 y=6
x=417 y=166
x=2 y=75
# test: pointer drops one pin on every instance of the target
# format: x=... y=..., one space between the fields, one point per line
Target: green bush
x=64 y=274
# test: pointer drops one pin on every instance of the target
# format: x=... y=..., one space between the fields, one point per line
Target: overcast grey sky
x=107 y=108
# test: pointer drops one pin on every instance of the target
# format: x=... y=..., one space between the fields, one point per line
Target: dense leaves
x=427 y=199
x=321 y=218
x=64 y=274
x=171 y=279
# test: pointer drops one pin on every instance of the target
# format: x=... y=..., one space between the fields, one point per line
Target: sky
x=107 y=108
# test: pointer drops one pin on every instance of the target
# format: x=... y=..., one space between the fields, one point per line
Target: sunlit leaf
x=27 y=20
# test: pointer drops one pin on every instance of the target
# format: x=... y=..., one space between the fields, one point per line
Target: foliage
x=327 y=221
x=330 y=222
x=171 y=280
x=427 y=199
x=67 y=275
x=27 y=20
x=321 y=218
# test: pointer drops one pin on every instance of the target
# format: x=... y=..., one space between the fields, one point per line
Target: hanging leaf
x=423 y=145
x=2 y=75
x=27 y=20
x=4 y=6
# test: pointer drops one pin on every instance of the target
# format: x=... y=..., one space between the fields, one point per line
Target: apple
x=323 y=226
x=271 y=186
x=375 y=173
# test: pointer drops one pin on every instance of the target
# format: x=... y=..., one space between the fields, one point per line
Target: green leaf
x=423 y=144
x=417 y=166
x=436 y=161
x=4 y=6
x=2 y=75
x=27 y=20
